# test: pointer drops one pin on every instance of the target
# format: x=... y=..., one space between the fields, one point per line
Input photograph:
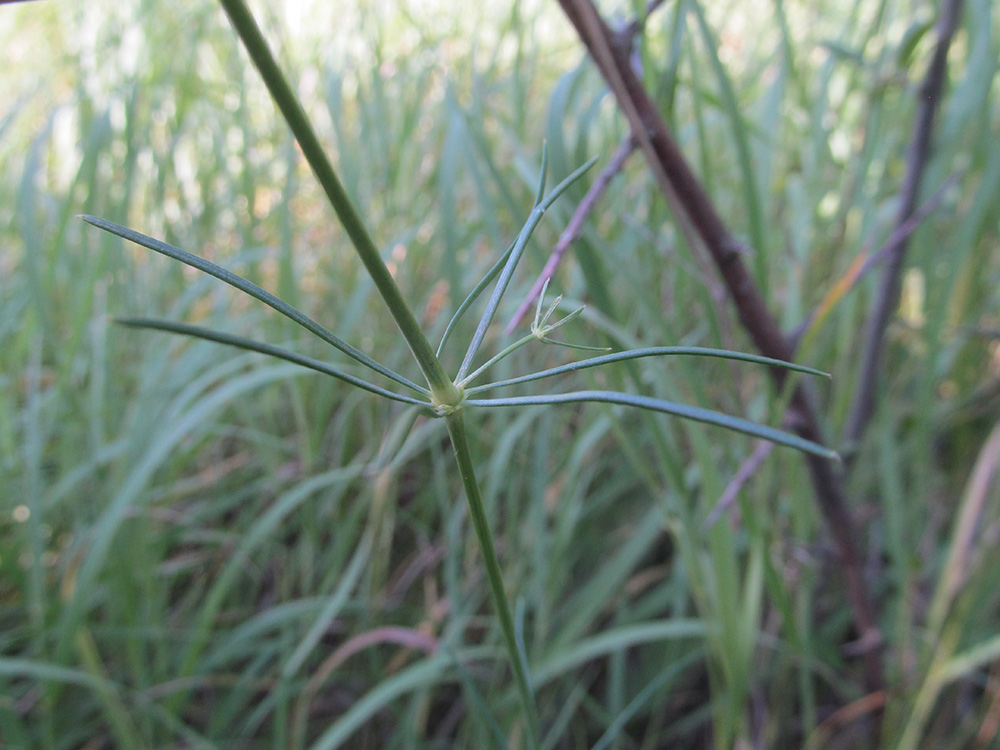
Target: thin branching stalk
x=541 y=206
x=573 y=228
x=473 y=296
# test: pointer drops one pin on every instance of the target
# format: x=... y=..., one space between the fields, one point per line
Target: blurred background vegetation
x=201 y=548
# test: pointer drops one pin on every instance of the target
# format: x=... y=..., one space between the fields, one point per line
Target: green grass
x=203 y=547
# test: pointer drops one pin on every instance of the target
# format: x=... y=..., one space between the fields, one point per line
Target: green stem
x=510 y=349
x=441 y=386
x=459 y=441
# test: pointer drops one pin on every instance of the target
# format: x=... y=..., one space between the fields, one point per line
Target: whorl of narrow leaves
x=443 y=396
x=430 y=407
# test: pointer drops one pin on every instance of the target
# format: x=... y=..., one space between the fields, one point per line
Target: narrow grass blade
x=447 y=201
x=239 y=342
x=254 y=291
x=478 y=705
x=667 y=407
x=41 y=671
x=977 y=657
x=133 y=490
x=739 y=128
x=113 y=707
x=543 y=173
x=614 y=640
x=668 y=675
x=424 y=673
x=586 y=606
x=333 y=607
x=653 y=351
x=508 y=271
x=522 y=650
x=244 y=639
x=264 y=528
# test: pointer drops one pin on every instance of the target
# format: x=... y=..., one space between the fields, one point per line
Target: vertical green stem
x=281 y=91
x=459 y=441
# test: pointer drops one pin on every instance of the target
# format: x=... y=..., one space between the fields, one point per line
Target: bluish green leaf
x=253 y=290
x=273 y=351
x=653 y=351
x=667 y=407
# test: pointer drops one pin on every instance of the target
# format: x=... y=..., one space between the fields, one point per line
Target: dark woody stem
x=683 y=189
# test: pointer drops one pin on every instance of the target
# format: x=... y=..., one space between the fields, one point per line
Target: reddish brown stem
x=747 y=469
x=684 y=191
x=916 y=163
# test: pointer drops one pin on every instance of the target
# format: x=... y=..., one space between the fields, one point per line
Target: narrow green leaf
x=667 y=407
x=519 y=614
x=652 y=351
x=568 y=345
x=46 y=672
x=113 y=708
x=133 y=489
x=540 y=193
x=563 y=186
x=731 y=106
x=503 y=353
x=538 y=306
x=323 y=622
x=264 y=527
x=253 y=290
x=239 y=342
